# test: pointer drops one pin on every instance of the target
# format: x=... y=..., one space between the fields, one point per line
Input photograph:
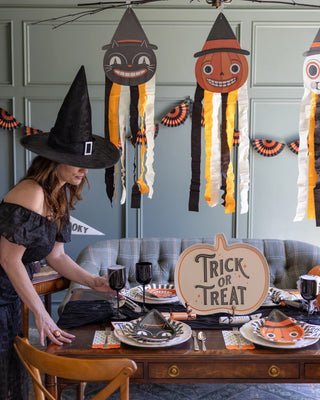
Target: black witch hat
x=71 y=141
x=315 y=47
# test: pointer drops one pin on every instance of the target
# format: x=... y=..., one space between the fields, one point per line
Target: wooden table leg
x=51 y=384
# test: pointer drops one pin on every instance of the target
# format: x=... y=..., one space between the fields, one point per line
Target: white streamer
x=124 y=104
x=244 y=143
x=304 y=123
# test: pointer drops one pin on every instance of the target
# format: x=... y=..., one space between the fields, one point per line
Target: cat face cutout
x=129 y=64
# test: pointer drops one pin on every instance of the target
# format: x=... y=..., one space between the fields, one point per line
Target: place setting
x=152 y=330
x=147 y=292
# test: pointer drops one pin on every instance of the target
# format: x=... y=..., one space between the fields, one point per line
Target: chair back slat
x=116 y=371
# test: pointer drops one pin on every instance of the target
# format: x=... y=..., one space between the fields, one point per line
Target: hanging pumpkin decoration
x=221 y=72
x=309 y=134
x=130 y=64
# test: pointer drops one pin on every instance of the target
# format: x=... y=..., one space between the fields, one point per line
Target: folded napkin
x=233 y=340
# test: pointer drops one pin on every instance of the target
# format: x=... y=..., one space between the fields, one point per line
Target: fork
x=237 y=333
x=195 y=342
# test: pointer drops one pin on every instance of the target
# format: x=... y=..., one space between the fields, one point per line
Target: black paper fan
x=7 y=121
x=236 y=138
x=27 y=130
x=178 y=114
x=267 y=148
x=294 y=146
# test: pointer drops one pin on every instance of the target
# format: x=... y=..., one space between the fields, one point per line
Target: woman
x=34 y=224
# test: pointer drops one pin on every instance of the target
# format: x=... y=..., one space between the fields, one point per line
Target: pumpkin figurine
x=221 y=72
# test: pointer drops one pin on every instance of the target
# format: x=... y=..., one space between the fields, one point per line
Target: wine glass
x=309 y=289
x=117 y=281
x=144 y=276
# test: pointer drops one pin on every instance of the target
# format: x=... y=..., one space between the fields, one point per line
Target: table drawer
x=223 y=370
x=139 y=374
x=312 y=371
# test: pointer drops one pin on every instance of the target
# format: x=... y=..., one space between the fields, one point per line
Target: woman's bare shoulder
x=28 y=194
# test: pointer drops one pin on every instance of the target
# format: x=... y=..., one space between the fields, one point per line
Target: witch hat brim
x=104 y=154
x=71 y=141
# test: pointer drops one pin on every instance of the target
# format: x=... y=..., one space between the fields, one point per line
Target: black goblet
x=144 y=276
x=309 y=289
x=117 y=281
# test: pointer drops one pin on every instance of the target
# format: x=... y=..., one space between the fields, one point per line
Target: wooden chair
x=116 y=371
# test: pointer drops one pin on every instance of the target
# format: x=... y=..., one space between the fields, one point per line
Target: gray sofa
x=287 y=259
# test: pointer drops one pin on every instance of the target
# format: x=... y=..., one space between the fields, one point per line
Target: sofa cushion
x=287 y=259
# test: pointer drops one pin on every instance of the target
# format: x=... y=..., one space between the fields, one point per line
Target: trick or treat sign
x=222 y=278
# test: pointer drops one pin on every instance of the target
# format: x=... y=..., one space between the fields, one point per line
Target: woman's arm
x=10 y=260
x=63 y=264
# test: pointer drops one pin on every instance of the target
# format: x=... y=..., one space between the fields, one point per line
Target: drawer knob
x=173 y=371
x=274 y=371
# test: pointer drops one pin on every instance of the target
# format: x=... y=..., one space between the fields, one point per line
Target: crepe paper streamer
x=130 y=65
x=244 y=147
x=221 y=69
x=178 y=114
x=267 y=148
x=308 y=162
x=7 y=121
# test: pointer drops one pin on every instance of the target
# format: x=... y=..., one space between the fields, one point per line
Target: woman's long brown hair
x=59 y=200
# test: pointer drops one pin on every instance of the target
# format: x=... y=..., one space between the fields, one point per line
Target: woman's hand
x=47 y=328
x=101 y=284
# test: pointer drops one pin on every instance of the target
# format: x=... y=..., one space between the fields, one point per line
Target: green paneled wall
x=38 y=63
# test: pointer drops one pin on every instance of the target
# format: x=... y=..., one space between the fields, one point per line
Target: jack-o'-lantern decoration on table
x=130 y=64
x=221 y=72
x=309 y=137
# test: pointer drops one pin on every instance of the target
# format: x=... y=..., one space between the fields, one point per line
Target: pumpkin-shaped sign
x=222 y=278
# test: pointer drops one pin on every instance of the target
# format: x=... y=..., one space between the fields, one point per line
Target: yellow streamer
x=142 y=106
x=312 y=171
x=207 y=105
x=113 y=114
x=230 y=114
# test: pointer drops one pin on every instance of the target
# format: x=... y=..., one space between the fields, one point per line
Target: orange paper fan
x=7 y=121
x=267 y=148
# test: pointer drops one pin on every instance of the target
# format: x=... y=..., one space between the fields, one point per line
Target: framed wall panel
x=6 y=60
x=277 y=52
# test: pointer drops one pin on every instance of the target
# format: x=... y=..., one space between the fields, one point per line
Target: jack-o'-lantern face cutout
x=311 y=73
x=221 y=72
x=129 y=65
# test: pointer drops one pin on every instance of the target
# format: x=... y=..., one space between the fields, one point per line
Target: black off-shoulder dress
x=35 y=232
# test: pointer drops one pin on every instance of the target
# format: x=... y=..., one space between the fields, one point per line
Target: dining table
x=235 y=361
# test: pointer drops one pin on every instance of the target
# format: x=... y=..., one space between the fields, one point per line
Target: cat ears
x=7 y=121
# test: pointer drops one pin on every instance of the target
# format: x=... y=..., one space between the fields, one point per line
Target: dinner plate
x=183 y=337
x=247 y=331
x=138 y=331
x=136 y=294
x=286 y=331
